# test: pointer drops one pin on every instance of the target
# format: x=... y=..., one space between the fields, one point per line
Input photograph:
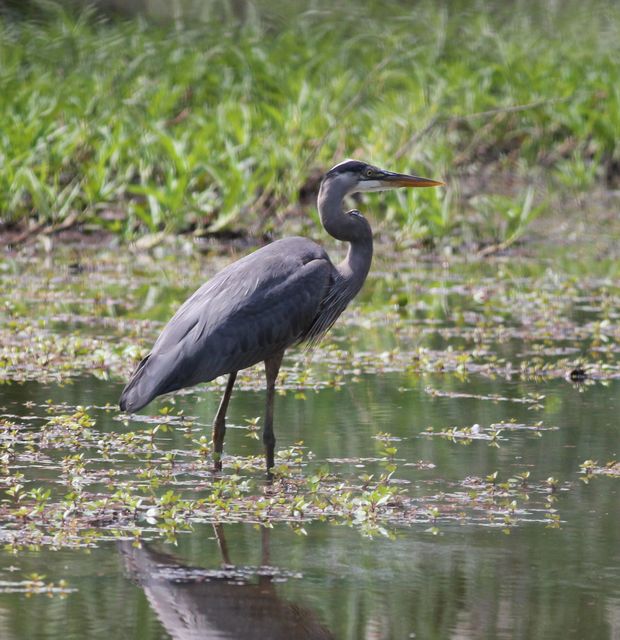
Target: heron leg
x=219 y=423
x=272 y=368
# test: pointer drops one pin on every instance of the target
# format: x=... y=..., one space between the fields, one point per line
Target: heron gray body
x=257 y=307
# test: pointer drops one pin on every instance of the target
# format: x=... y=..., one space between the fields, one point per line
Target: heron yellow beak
x=404 y=180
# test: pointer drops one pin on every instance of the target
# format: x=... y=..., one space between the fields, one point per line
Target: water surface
x=549 y=569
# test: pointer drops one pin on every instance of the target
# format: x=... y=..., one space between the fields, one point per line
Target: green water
x=468 y=574
x=467 y=581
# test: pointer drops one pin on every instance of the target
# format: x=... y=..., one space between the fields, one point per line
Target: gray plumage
x=257 y=307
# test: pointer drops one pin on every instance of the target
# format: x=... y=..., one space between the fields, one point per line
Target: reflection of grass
x=141 y=127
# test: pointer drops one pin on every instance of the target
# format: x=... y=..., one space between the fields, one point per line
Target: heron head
x=358 y=176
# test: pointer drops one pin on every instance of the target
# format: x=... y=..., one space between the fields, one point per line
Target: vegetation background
x=219 y=116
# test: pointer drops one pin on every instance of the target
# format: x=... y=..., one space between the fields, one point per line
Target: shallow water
x=546 y=568
x=467 y=581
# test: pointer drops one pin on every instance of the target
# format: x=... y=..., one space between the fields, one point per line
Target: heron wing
x=249 y=311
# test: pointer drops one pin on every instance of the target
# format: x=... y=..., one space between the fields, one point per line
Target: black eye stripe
x=363 y=170
x=354 y=166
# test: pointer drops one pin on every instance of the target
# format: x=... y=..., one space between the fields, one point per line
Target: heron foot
x=217 y=463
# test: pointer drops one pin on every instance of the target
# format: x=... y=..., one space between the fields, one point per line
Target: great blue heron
x=257 y=307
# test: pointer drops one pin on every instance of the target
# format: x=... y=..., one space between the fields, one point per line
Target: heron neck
x=347 y=227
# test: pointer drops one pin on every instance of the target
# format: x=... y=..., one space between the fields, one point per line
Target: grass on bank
x=136 y=126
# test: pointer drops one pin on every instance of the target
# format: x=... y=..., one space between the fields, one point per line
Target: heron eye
x=369 y=173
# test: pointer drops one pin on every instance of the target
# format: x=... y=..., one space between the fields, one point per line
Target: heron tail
x=140 y=389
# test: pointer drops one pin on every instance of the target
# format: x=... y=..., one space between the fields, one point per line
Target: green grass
x=139 y=126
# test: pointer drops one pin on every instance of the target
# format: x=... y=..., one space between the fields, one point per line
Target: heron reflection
x=195 y=603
